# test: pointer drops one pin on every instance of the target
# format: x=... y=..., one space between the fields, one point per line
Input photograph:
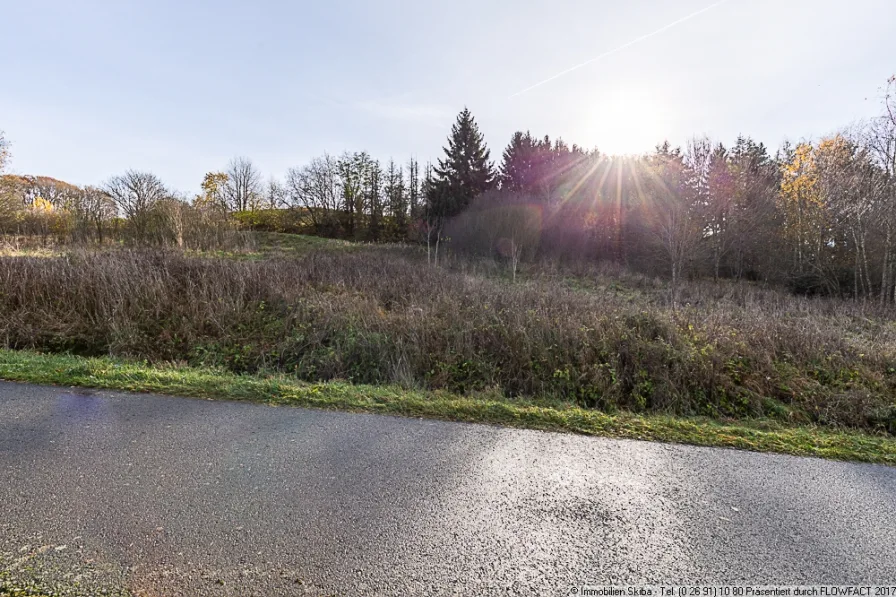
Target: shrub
x=384 y=316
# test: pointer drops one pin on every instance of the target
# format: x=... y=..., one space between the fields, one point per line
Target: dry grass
x=602 y=338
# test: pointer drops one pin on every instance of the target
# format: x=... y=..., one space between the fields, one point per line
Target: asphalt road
x=173 y=496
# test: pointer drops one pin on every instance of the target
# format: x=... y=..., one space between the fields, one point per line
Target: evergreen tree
x=465 y=172
x=520 y=163
x=535 y=167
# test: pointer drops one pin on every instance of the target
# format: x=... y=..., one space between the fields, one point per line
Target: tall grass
x=602 y=339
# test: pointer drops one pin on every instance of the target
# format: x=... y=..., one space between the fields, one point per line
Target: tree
x=735 y=191
x=55 y=192
x=93 y=208
x=557 y=162
x=316 y=189
x=275 y=194
x=677 y=226
x=499 y=224
x=135 y=192
x=433 y=219
x=243 y=189
x=848 y=183
x=213 y=184
x=414 y=192
x=751 y=220
x=171 y=221
x=10 y=201
x=134 y=195
x=396 y=199
x=373 y=198
x=4 y=151
x=537 y=167
x=880 y=138
x=519 y=167
x=465 y=172
x=354 y=171
x=8 y=205
x=804 y=224
x=719 y=204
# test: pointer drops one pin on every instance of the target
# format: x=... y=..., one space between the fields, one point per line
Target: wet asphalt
x=156 y=495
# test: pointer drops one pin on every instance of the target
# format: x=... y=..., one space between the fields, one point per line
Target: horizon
x=187 y=99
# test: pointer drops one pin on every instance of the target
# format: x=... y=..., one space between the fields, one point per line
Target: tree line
x=819 y=215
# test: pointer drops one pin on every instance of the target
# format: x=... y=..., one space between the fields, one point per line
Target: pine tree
x=465 y=172
x=534 y=166
x=519 y=165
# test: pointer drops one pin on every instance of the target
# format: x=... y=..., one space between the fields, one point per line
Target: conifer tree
x=518 y=166
x=465 y=172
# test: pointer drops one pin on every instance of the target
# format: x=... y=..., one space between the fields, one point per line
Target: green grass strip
x=762 y=436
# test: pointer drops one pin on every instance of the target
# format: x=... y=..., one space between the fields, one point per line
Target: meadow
x=590 y=337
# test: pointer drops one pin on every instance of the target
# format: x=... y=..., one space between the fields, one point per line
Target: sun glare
x=625 y=122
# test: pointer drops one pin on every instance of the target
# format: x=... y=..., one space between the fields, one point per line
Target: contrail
x=622 y=47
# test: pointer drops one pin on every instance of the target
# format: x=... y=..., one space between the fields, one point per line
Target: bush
x=381 y=316
x=274 y=220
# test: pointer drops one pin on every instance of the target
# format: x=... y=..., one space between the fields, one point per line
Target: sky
x=92 y=88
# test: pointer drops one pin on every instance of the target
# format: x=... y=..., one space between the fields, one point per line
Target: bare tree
x=354 y=173
x=93 y=209
x=275 y=194
x=678 y=228
x=315 y=188
x=397 y=199
x=55 y=192
x=679 y=235
x=373 y=200
x=433 y=215
x=880 y=137
x=850 y=184
x=517 y=226
x=243 y=189
x=135 y=194
x=413 y=189
x=175 y=215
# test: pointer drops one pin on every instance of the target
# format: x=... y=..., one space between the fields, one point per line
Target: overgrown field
x=599 y=339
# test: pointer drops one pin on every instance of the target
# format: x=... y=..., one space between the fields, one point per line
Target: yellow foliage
x=800 y=176
x=212 y=190
x=801 y=201
x=41 y=206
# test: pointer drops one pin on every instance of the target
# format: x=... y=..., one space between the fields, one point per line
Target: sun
x=626 y=121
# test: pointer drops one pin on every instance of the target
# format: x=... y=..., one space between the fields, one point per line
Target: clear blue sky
x=92 y=88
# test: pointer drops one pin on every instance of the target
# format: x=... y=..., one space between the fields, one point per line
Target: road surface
x=175 y=496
